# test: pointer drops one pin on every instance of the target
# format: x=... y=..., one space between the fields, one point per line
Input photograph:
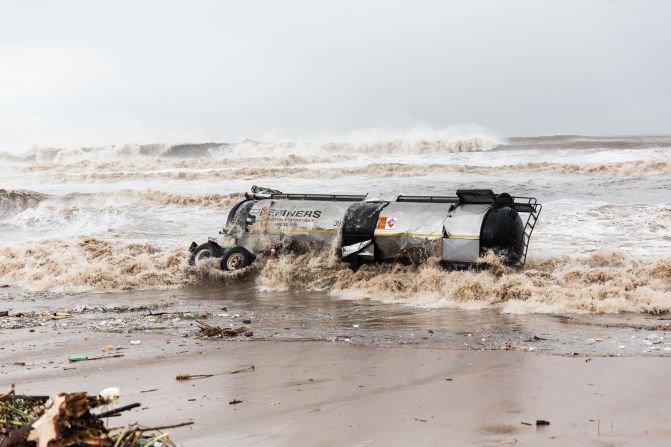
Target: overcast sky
x=104 y=72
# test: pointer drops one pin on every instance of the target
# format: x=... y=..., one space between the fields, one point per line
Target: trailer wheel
x=203 y=252
x=236 y=258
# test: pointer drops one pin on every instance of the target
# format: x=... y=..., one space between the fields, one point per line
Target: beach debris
x=534 y=338
x=653 y=339
x=189 y=315
x=61 y=315
x=235 y=402
x=4 y=286
x=66 y=419
x=118 y=411
x=246 y=321
x=4 y=313
x=109 y=395
x=249 y=368
x=526 y=423
x=165 y=427
x=135 y=342
x=84 y=357
x=209 y=330
x=542 y=422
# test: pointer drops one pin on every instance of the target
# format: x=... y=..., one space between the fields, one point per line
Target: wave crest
x=98 y=265
x=283 y=170
x=601 y=283
x=420 y=141
x=217 y=201
x=15 y=201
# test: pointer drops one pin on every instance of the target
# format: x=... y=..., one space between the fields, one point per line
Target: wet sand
x=330 y=393
x=342 y=372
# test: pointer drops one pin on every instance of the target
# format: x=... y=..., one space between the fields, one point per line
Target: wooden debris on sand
x=204 y=376
x=65 y=419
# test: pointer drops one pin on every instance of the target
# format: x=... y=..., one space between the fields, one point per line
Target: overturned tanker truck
x=364 y=228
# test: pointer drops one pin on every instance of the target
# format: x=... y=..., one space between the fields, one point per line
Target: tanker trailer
x=365 y=228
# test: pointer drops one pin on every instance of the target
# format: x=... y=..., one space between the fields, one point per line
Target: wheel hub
x=234 y=261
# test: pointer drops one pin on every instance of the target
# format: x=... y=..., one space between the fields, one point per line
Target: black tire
x=236 y=258
x=204 y=251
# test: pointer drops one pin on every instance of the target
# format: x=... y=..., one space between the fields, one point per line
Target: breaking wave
x=422 y=141
x=12 y=202
x=279 y=170
x=601 y=283
x=16 y=201
x=216 y=201
x=97 y=265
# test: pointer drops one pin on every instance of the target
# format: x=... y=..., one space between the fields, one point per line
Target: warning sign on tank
x=386 y=223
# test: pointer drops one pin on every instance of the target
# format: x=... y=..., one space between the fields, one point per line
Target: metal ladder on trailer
x=531 y=206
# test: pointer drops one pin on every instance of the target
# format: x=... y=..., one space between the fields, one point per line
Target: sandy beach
x=353 y=389
x=325 y=393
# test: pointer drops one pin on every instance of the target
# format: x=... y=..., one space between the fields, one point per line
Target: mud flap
x=364 y=249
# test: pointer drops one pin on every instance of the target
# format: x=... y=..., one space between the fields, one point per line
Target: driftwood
x=117 y=411
x=66 y=420
x=165 y=427
x=204 y=376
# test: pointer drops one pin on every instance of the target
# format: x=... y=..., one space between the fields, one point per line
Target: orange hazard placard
x=381 y=223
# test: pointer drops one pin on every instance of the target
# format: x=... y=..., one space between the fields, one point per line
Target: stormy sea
x=120 y=217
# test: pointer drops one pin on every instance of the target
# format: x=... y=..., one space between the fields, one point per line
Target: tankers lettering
x=316 y=214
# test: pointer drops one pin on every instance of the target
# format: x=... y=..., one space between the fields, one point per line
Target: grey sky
x=93 y=72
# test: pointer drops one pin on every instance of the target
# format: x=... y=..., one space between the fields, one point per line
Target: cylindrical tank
x=457 y=229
